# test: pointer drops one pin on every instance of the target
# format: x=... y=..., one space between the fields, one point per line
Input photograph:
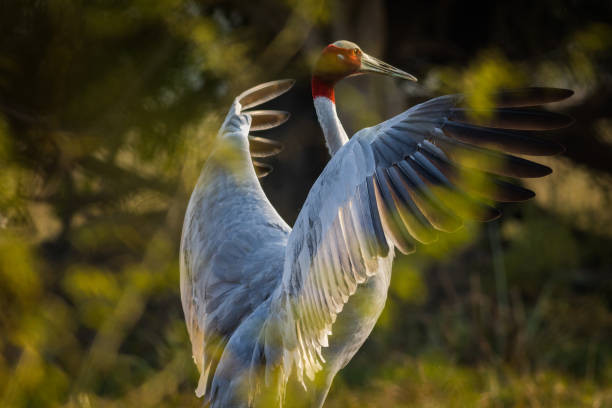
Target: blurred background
x=107 y=112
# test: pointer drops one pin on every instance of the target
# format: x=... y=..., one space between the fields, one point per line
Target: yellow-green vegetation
x=108 y=110
x=434 y=381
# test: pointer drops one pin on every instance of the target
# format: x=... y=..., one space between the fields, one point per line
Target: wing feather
x=265 y=92
x=436 y=212
x=353 y=241
x=417 y=224
x=228 y=216
x=511 y=118
x=369 y=196
x=519 y=142
x=390 y=215
x=396 y=184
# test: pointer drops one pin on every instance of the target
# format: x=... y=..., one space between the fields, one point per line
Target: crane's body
x=234 y=226
x=274 y=313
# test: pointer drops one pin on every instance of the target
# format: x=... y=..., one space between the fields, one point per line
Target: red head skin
x=334 y=64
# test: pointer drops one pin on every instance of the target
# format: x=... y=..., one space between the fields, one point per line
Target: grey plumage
x=270 y=309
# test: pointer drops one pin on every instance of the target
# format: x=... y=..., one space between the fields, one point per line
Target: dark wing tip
x=513 y=119
x=528 y=195
x=532 y=96
x=520 y=142
x=562 y=93
x=509 y=193
x=480 y=183
x=543 y=171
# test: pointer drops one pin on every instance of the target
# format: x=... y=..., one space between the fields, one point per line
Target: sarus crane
x=273 y=313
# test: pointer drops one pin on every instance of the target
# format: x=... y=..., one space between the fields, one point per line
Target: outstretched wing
x=392 y=185
x=233 y=240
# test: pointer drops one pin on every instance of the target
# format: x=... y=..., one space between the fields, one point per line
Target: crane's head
x=343 y=59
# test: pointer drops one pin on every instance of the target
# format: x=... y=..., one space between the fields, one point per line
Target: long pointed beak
x=371 y=64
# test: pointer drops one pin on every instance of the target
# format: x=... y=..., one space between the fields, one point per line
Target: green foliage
x=109 y=108
x=433 y=381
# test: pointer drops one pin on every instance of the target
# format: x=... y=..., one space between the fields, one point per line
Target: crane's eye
x=356 y=51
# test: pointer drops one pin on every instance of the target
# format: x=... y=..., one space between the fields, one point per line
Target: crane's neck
x=325 y=106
